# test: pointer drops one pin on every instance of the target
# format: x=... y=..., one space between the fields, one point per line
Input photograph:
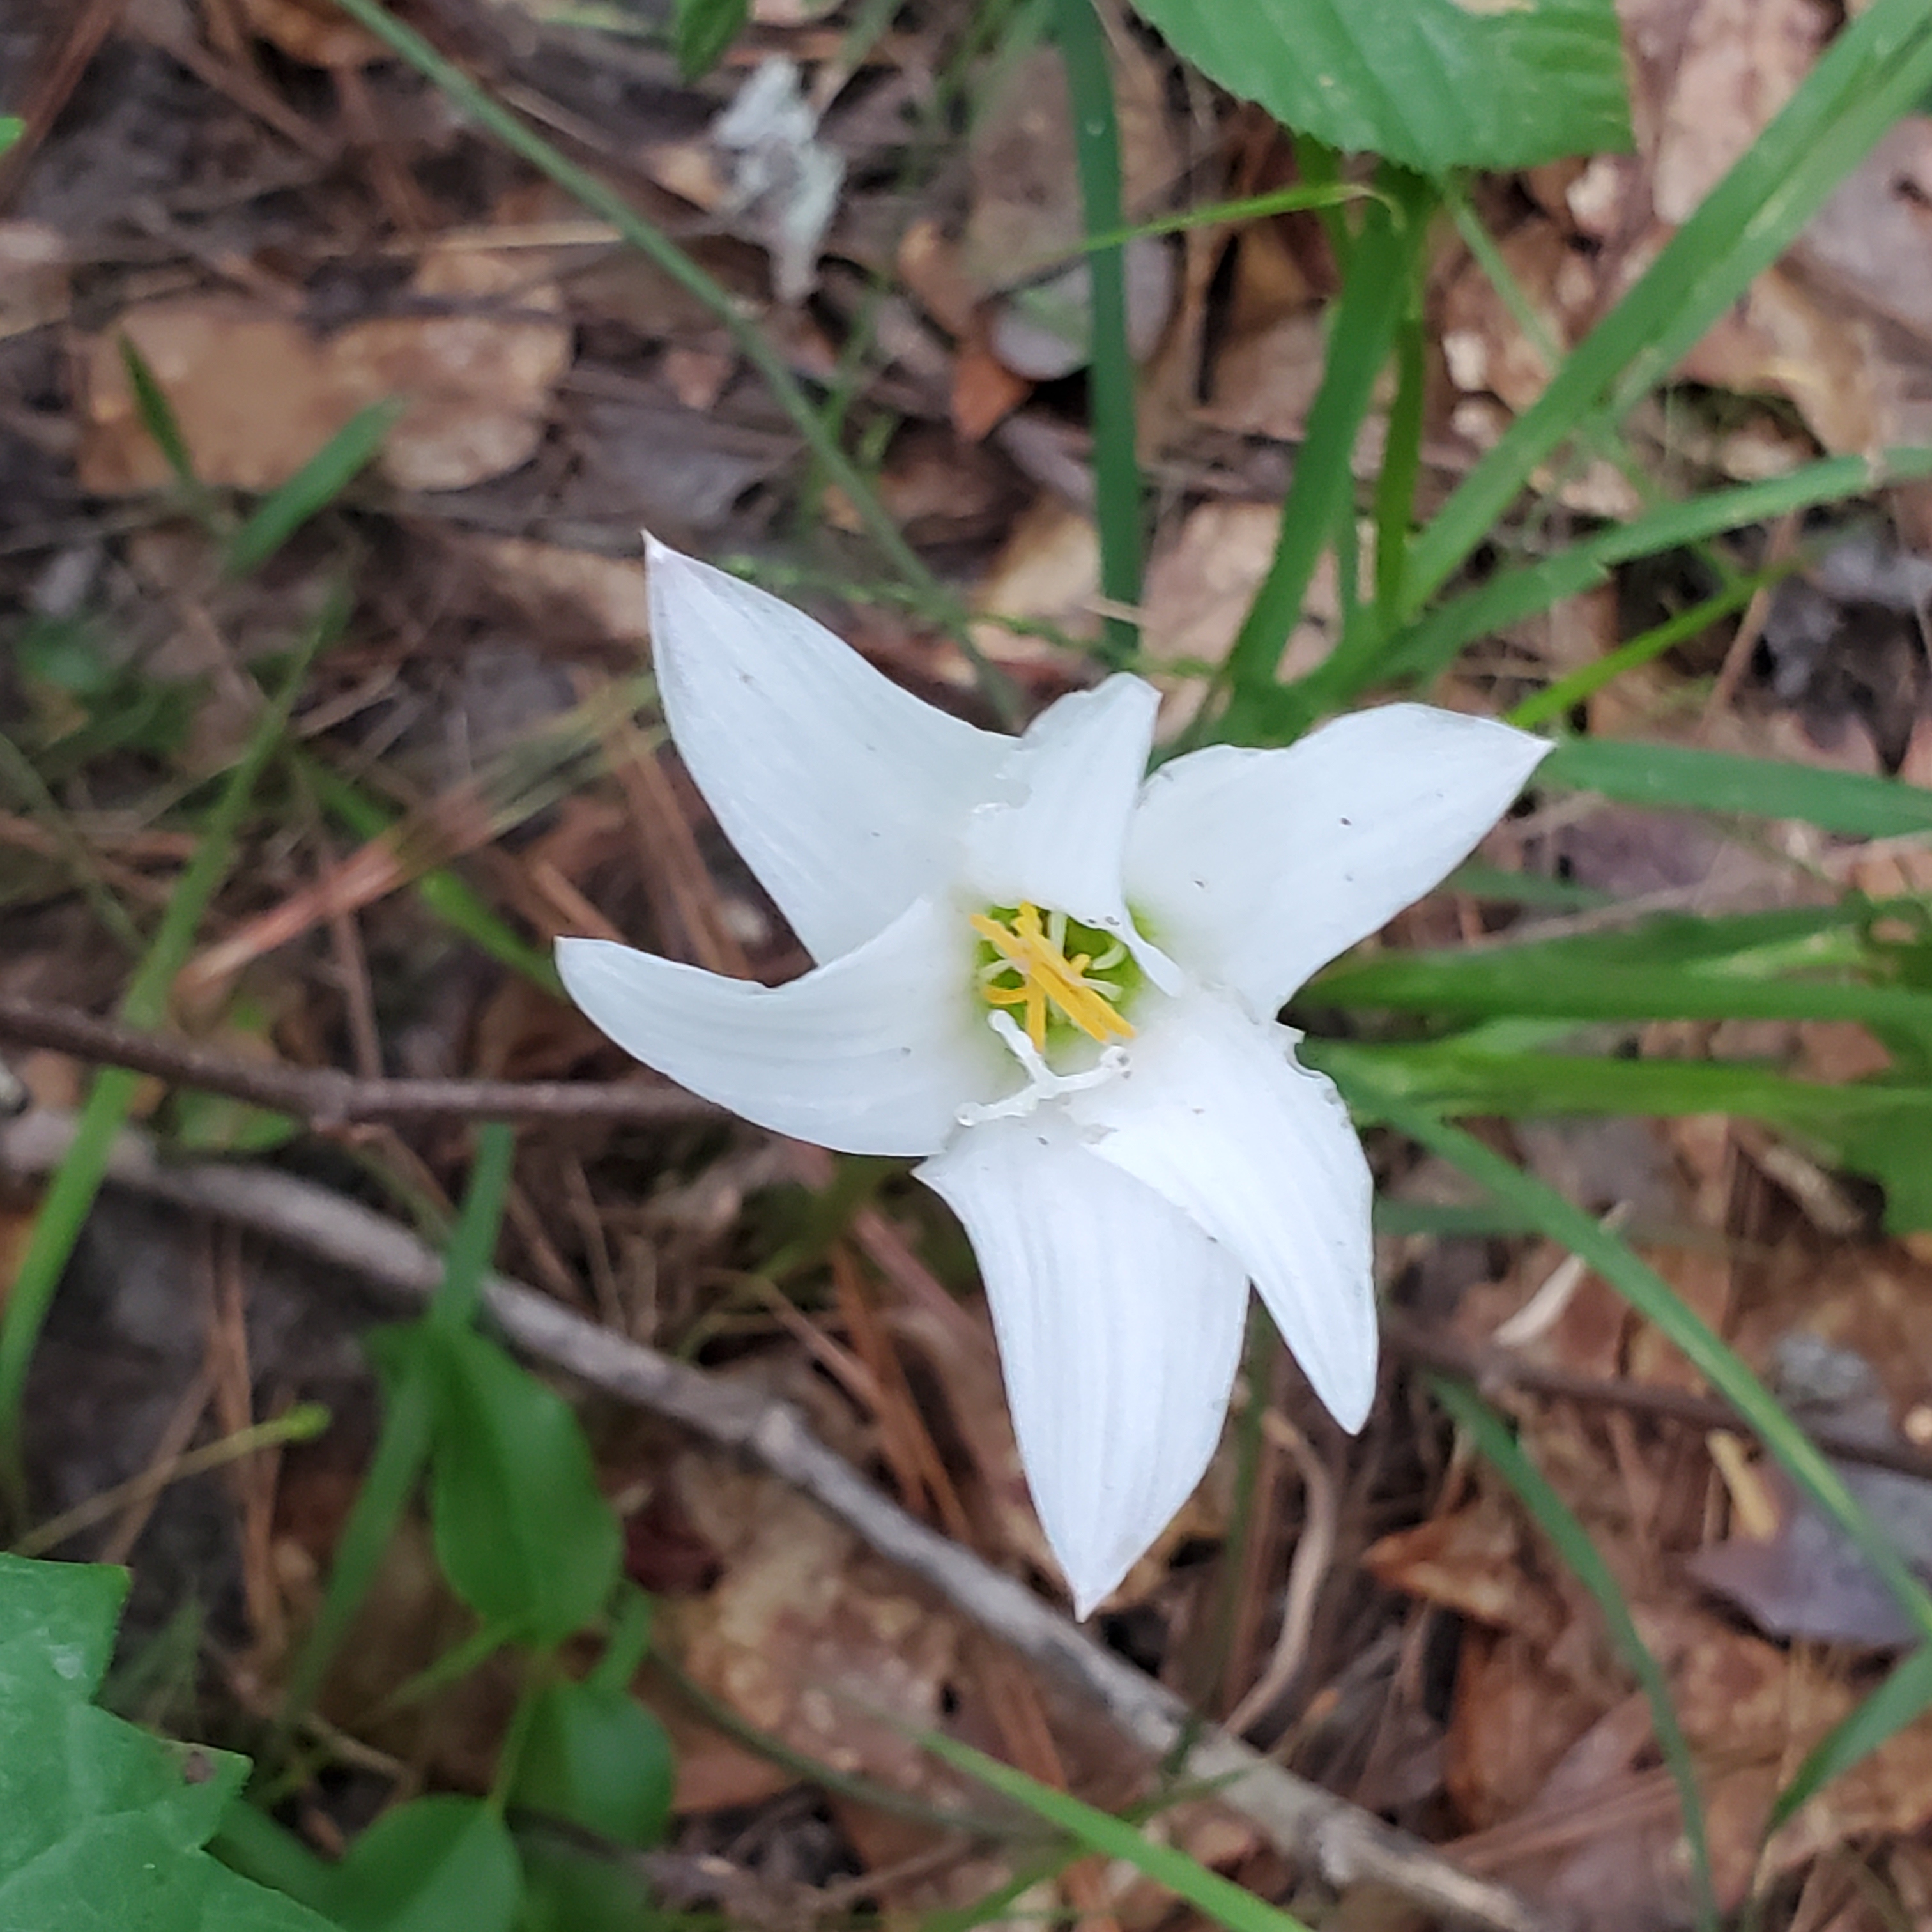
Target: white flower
x=1056 y=979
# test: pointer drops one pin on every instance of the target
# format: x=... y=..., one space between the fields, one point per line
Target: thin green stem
x=301 y=1423
x=69 y=1198
x=1402 y=468
x=1110 y=372
x=402 y=1446
x=1376 y=298
x=746 y=337
x=1539 y=1495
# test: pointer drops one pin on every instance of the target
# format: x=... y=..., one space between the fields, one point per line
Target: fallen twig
x=1491 y=1369
x=326 y=1097
x=1345 y=1844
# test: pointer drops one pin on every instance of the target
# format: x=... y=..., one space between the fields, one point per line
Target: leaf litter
x=296 y=228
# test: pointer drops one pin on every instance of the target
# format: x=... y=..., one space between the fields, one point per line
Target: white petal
x=871 y=1055
x=1120 y=1329
x=1055 y=829
x=845 y=795
x=1253 y=868
x=1213 y=1111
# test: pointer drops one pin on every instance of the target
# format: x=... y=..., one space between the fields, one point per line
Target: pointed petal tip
x=1350 y=1402
x=1086 y=1602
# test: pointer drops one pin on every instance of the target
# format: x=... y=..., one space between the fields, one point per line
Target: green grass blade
x=1304 y=196
x=1564 y=983
x=1584 y=683
x=158 y=418
x=1449 y=1077
x=1676 y=778
x=64 y=1209
x=1208 y=1891
x=1899 y=1700
x=313 y=487
x=1362 y=332
x=446 y=893
x=1110 y=375
x=1652 y=1296
x=1426 y=648
x=1498 y=1442
x=466 y=1265
x=1878 y=68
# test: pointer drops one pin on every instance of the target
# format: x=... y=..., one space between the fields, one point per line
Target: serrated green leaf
x=100 y=1824
x=1432 y=84
x=703 y=29
x=522 y=1532
x=436 y=1864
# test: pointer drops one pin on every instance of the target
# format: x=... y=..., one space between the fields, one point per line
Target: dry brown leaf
x=1471 y=1562
x=257 y=394
x=1265 y=379
x=33 y=277
x=985 y=391
x=1514 y=1719
x=1026 y=215
x=314 y=32
x=1873 y=238
x=1047 y=572
x=1741 y=61
x=1199 y=588
x=807 y=1637
x=1482 y=343
x=610 y=591
x=1781 y=340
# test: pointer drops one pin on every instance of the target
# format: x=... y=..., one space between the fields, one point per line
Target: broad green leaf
x=522 y=1531
x=1433 y=84
x=703 y=29
x=570 y=1888
x=436 y=1864
x=101 y=1825
x=593 y=1756
x=11 y=128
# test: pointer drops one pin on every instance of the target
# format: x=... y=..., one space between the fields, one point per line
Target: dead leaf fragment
x=1741 y=61
x=312 y=32
x=479 y=378
x=257 y=394
x=33 y=277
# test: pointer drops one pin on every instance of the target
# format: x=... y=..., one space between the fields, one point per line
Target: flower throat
x=1064 y=977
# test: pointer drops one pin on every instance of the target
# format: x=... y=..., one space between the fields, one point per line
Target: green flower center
x=1064 y=978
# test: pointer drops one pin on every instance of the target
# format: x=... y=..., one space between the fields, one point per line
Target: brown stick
x=1347 y=1844
x=326 y=1097
x=1492 y=1368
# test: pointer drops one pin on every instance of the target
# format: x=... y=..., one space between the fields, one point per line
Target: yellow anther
x=1034 y=948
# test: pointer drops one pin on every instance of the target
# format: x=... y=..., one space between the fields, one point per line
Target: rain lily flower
x=1054 y=979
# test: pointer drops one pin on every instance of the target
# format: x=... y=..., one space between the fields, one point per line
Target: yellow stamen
x=1047 y=977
